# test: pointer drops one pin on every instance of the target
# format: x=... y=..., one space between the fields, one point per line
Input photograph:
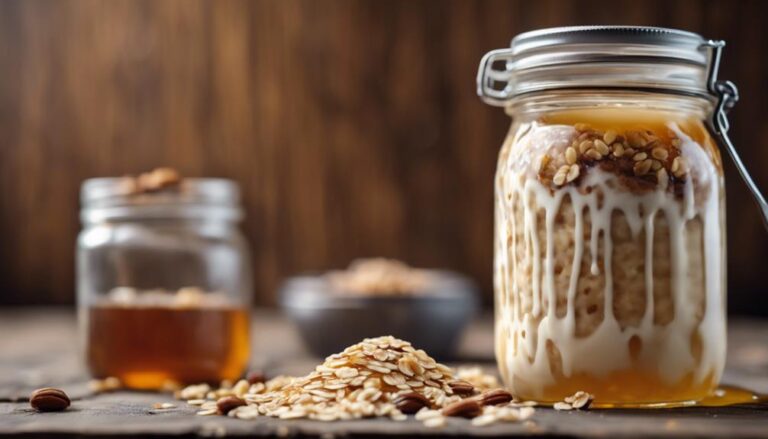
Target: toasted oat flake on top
x=640 y=154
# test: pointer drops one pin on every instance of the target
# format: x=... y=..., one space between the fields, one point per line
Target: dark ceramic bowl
x=433 y=320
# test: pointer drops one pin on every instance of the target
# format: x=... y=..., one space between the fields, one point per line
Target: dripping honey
x=147 y=347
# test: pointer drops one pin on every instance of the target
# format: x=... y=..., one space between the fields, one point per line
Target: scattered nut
x=462 y=388
x=496 y=397
x=49 y=399
x=255 y=377
x=411 y=402
x=226 y=404
x=466 y=408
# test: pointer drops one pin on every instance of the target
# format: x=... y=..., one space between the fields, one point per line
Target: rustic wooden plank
x=42 y=351
x=132 y=414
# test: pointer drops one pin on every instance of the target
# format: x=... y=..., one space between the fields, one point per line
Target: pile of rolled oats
x=379 y=377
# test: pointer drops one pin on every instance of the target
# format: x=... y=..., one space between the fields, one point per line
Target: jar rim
x=114 y=197
x=628 y=57
x=649 y=35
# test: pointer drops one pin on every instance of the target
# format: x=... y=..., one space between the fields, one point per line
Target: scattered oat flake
x=580 y=400
x=483 y=420
x=435 y=422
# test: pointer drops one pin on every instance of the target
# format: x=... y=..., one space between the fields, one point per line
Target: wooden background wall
x=353 y=126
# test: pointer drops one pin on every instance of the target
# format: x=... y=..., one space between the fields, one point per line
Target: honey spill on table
x=723 y=396
x=732 y=395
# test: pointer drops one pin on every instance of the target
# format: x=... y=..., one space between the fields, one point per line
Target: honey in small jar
x=158 y=338
x=164 y=280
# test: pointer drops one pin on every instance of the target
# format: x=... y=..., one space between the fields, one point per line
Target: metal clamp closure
x=493 y=84
x=727 y=95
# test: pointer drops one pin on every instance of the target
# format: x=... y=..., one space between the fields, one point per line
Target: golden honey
x=148 y=347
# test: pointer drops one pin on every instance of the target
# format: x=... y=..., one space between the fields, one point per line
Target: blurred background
x=352 y=126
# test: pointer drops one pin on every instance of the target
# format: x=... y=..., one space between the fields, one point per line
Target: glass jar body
x=164 y=301
x=609 y=249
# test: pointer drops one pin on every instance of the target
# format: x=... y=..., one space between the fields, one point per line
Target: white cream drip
x=666 y=348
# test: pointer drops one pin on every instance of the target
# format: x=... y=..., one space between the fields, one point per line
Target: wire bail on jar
x=621 y=57
x=727 y=96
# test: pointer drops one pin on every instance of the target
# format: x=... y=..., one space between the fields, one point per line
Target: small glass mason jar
x=164 y=282
x=609 y=271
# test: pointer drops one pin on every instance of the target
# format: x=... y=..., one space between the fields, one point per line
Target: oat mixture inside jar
x=609 y=253
x=609 y=245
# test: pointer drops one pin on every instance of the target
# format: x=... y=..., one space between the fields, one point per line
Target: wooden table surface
x=39 y=348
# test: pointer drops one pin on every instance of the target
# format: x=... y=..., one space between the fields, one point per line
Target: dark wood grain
x=353 y=126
